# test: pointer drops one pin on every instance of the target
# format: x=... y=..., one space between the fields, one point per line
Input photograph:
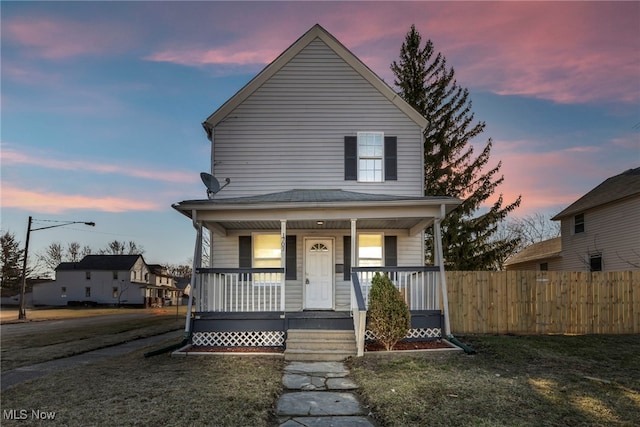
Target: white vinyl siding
x=290 y=132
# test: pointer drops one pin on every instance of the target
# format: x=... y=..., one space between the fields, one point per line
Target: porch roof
x=318 y=209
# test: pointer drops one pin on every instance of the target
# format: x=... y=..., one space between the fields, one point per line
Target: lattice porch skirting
x=413 y=334
x=238 y=339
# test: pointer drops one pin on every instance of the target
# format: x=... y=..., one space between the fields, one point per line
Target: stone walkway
x=319 y=394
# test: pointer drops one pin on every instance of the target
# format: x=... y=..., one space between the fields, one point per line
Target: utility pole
x=22 y=314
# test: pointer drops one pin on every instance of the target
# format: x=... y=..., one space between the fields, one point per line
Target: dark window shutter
x=391 y=158
x=347 y=258
x=390 y=251
x=292 y=266
x=351 y=158
x=244 y=252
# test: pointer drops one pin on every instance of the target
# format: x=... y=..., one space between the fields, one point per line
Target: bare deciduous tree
x=536 y=228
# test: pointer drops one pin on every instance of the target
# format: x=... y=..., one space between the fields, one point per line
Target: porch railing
x=239 y=289
x=419 y=286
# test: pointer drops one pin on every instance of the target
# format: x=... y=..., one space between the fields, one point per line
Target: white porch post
x=354 y=236
x=443 y=278
x=283 y=257
x=197 y=255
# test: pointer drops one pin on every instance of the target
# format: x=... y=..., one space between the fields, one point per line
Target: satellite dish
x=212 y=183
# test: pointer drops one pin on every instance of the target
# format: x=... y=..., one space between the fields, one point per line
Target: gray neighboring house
x=599 y=232
x=325 y=163
x=106 y=280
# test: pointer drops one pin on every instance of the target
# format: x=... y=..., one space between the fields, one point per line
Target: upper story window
x=87 y=275
x=544 y=266
x=578 y=224
x=370 y=157
x=115 y=275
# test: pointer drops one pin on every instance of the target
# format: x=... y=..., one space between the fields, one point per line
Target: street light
x=21 y=311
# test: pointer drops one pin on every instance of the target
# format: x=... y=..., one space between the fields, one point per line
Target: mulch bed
x=407 y=345
x=235 y=350
x=370 y=346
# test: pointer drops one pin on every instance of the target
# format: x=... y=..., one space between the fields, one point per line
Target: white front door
x=318 y=272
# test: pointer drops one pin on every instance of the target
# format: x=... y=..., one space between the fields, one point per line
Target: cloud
x=54 y=203
x=567 y=52
x=549 y=180
x=221 y=56
x=56 y=38
x=10 y=156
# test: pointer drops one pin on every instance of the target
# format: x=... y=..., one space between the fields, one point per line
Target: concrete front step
x=319 y=345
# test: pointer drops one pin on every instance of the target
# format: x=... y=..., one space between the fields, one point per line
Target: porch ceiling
x=403 y=223
x=303 y=209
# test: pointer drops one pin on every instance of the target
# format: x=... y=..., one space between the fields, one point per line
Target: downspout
x=197 y=253
x=443 y=282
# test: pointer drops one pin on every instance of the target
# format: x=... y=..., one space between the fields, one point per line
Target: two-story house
x=599 y=232
x=106 y=280
x=326 y=187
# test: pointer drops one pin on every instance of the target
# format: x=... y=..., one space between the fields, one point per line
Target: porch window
x=370 y=250
x=246 y=255
x=87 y=292
x=267 y=253
x=114 y=292
x=63 y=292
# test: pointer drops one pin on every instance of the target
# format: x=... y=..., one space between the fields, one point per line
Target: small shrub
x=388 y=315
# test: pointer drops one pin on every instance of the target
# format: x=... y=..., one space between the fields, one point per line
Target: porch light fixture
x=320 y=222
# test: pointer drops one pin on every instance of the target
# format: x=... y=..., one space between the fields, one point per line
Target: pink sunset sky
x=102 y=101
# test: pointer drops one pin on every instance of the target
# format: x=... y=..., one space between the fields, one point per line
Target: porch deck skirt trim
x=269 y=329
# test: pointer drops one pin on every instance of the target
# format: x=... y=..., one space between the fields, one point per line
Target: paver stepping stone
x=323 y=403
x=327 y=422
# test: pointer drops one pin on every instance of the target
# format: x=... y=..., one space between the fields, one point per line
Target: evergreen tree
x=10 y=264
x=429 y=85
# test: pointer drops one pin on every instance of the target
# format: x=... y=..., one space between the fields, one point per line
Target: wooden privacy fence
x=544 y=302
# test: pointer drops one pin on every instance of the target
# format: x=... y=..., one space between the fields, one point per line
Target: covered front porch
x=330 y=245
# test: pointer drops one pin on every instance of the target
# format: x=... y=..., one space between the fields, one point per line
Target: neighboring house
x=599 y=232
x=104 y=279
x=541 y=256
x=164 y=284
x=325 y=163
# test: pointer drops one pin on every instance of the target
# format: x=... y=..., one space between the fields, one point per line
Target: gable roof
x=617 y=187
x=315 y=32
x=101 y=262
x=551 y=248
